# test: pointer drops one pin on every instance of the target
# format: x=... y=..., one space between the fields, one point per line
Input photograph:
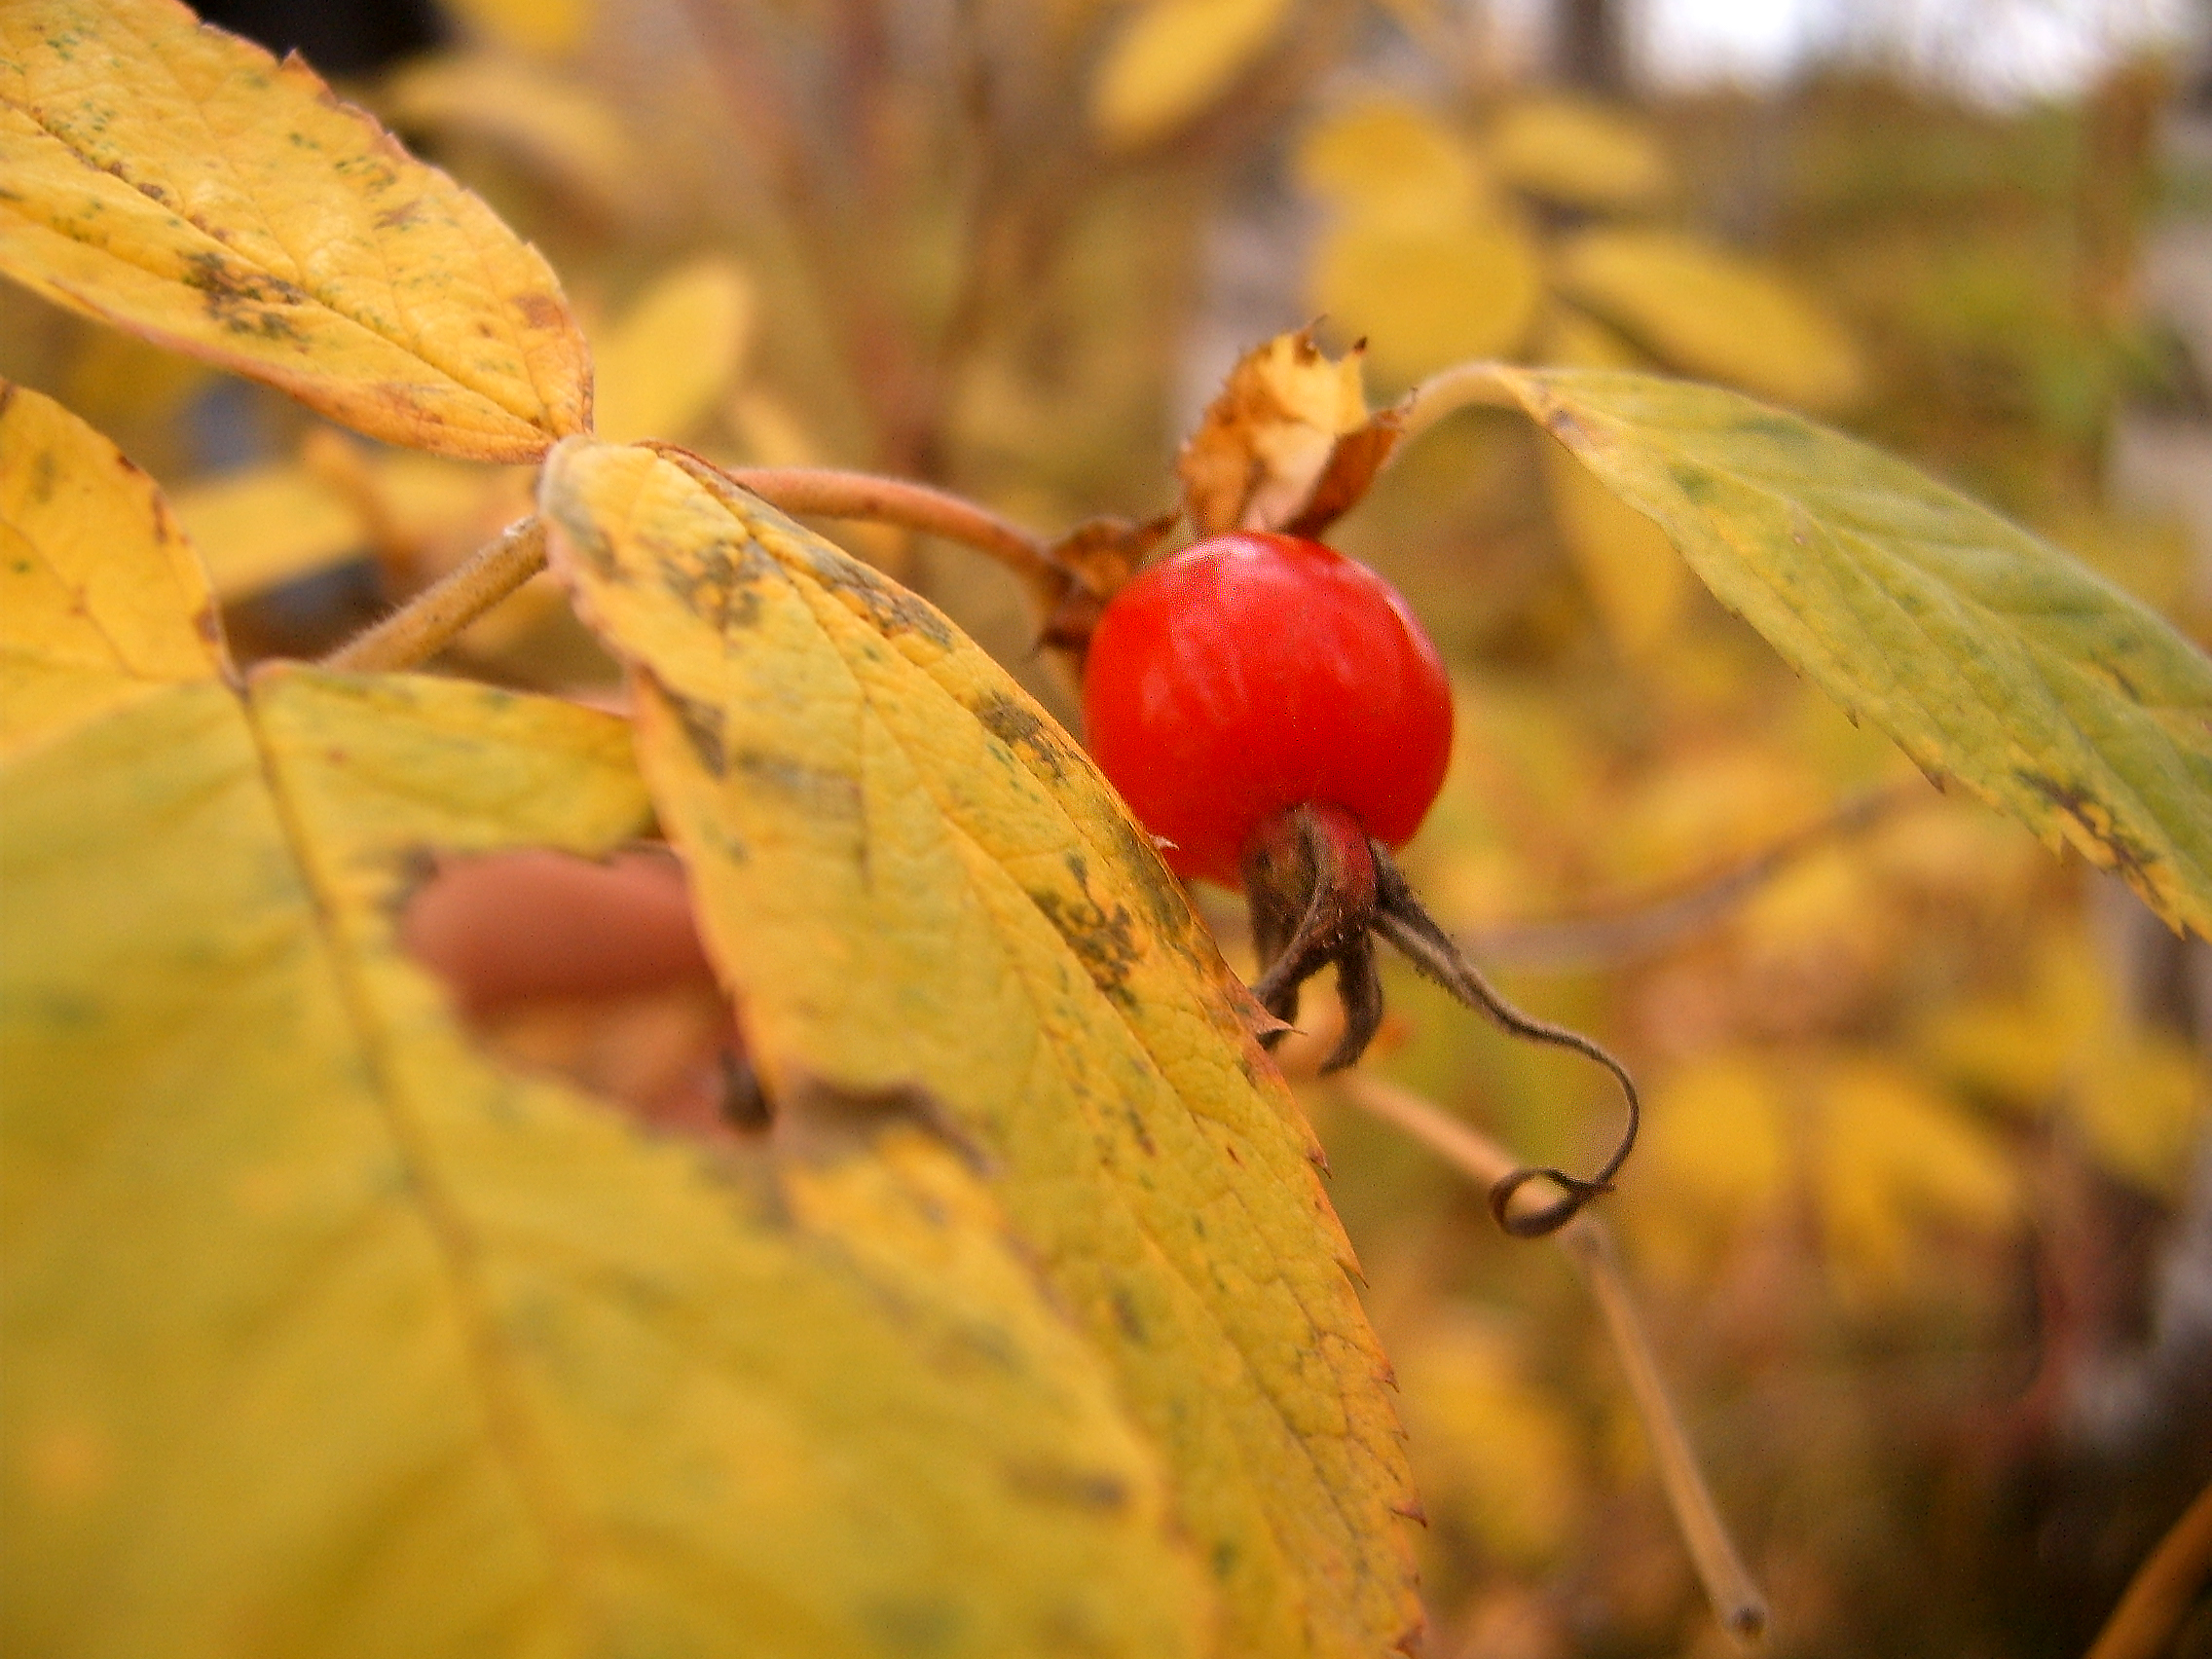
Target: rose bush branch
x=430 y=621
x=1589 y=1244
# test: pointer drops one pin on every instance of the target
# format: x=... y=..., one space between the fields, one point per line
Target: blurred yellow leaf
x=1894 y=1154
x=115 y=378
x=265 y=525
x=178 y=182
x=1583 y=153
x=549 y=27
x=770 y=430
x=319 y=1328
x=1983 y=652
x=1390 y=159
x=2064 y=1043
x=2140 y=1103
x=545 y=120
x=1425 y=296
x=666 y=365
x=1629 y=569
x=1170 y=59
x=100 y=597
x=1713 y=313
x=1498 y=1461
x=1714 y=1153
x=918 y=888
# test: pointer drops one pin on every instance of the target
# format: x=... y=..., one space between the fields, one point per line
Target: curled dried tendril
x=1322 y=889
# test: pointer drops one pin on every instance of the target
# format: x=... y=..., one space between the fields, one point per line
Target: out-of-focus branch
x=1638 y=931
x=2164 y=1587
x=1736 y=1601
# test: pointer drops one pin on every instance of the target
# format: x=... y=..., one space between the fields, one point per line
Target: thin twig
x=1638 y=931
x=2162 y=1591
x=829 y=493
x=1588 y=1243
x=429 y=621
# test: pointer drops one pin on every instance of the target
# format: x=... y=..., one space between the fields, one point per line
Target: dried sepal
x=1091 y=564
x=1288 y=442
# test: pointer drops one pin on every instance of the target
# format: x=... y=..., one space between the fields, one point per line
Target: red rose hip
x=1274 y=713
x=1253 y=673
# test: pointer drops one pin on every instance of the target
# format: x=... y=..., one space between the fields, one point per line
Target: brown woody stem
x=828 y=493
x=429 y=621
x=1589 y=1244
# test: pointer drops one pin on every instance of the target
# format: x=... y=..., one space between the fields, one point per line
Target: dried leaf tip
x=1288 y=442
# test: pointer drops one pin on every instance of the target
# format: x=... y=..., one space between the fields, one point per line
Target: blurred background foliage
x=1923 y=1214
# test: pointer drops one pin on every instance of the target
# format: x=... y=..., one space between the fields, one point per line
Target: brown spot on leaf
x=542 y=310
x=1023 y=729
x=890 y=608
x=245 y=301
x=701 y=723
x=2123 y=852
x=717 y=581
x=1078 y=1489
x=1104 y=940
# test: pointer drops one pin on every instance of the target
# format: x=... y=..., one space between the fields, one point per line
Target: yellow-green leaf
x=1583 y=153
x=1986 y=653
x=325 y=1337
x=663 y=367
x=180 y=183
x=913 y=880
x=1624 y=560
x=1712 y=312
x=1173 y=58
x=100 y=597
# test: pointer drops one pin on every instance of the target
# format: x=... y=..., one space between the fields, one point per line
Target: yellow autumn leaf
x=1170 y=59
x=1390 y=159
x=1713 y=313
x=1629 y=568
x=1424 y=295
x=321 y=1328
x=1715 y=1154
x=916 y=885
x=2063 y=1043
x=546 y=27
x=1499 y=1459
x=1984 y=653
x=1570 y=150
x=100 y=597
x=265 y=525
x=1896 y=1157
x=547 y=120
x=664 y=366
x=179 y=183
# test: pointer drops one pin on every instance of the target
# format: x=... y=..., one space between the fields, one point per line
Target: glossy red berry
x=1252 y=673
